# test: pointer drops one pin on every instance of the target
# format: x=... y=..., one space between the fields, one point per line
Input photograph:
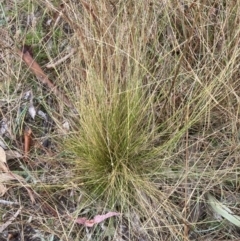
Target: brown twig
x=59 y=61
x=27 y=142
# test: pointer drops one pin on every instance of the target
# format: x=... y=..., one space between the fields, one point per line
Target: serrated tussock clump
x=114 y=140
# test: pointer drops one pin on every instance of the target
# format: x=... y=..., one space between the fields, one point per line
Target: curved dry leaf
x=100 y=218
x=96 y=219
x=40 y=74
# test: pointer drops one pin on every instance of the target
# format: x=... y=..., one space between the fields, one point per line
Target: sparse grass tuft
x=114 y=141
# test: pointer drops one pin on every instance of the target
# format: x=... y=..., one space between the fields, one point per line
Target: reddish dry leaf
x=96 y=219
x=35 y=68
x=39 y=73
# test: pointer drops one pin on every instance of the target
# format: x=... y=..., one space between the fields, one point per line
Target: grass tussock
x=112 y=142
x=154 y=123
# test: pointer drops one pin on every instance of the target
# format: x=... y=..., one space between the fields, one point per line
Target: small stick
x=27 y=142
x=53 y=65
x=5 y=202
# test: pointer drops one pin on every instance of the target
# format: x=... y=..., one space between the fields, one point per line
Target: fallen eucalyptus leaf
x=97 y=219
